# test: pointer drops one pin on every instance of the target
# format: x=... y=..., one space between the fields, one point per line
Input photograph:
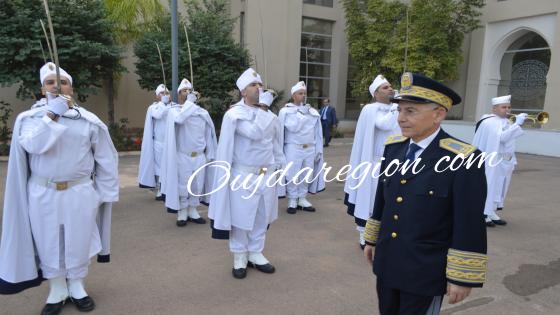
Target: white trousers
x=71 y=273
x=242 y=241
x=507 y=181
x=64 y=228
x=503 y=177
x=158 y=153
x=300 y=158
x=186 y=166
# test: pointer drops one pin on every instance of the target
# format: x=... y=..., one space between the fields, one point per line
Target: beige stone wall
x=281 y=29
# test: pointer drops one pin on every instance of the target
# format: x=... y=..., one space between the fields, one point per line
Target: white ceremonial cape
x=318 y=184
x=220 y=210
x=169 y=184
x=147 y=168
x=40 y=103
x=360 y=198
x=487 y=139
x=19 y=267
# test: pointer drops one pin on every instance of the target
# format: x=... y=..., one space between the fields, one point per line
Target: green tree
x=377 y=31
x=129 y=19
x=86 y=46
x=132 y=17
x=217 y=59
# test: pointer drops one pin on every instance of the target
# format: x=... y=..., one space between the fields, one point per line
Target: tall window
x=315 y=58
x=523 y=72
x=325 y=3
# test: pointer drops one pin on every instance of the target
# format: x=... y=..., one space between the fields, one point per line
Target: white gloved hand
x=318 y=157
x=191 y=97
x=520 y=119
x=165 y=99
x=57 y=105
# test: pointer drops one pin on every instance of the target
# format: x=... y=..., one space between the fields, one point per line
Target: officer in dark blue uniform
x=427 y=226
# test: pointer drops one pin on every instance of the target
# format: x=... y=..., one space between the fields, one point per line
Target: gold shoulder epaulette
x=456 y=146
x=395 y=139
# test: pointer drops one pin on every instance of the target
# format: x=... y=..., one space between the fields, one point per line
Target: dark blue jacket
x=331 y=116
x=425 y=217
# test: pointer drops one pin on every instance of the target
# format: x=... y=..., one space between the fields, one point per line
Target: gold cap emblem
x=406 y=81
x=254 y=74
x=51 y=67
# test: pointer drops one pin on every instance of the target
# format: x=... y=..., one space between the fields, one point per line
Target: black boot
x=85 y=304
x=239 y=273
x=266 y=268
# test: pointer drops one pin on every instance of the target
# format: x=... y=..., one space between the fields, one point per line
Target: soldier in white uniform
x=495 y=133
x=303 y=147
x=184 y=89
x=376 y=123
x=250 y=144
x=190 y=143
x=62 y=179
x=153 y=142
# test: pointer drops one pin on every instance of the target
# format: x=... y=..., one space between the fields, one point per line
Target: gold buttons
x=394 y=235
x=399 y=199
x=403 y=181
x=431 y=192
x=396 y=217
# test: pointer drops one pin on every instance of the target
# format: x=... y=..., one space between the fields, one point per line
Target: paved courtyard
x=158 y=268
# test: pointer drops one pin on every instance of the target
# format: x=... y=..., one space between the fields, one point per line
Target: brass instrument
x=539 y=118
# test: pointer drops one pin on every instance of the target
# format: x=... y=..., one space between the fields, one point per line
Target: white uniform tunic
x=496 y=134
x=159 y=116
x=63 y=222
x=507 y=152
x=255 y=147
x=385 y=125
x=300 y=130
x=375 y=124
x=193 y=136
x=250 y=141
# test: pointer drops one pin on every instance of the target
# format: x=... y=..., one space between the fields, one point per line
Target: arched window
x=523 y=72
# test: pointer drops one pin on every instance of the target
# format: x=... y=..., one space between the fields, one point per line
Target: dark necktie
x=412 y=149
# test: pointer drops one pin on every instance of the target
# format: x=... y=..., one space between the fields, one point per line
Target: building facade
x=516 y=51
x=297 y=40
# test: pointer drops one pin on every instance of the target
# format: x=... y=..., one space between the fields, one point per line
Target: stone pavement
x=158 y=268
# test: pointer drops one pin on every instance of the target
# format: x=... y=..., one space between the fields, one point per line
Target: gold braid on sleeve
x=372 y=231
x=468 y=267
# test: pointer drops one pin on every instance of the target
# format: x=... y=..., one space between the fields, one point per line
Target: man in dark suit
x=328 y=120
x=427 y=226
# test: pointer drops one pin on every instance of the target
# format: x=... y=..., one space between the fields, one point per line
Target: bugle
x=539 y=118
